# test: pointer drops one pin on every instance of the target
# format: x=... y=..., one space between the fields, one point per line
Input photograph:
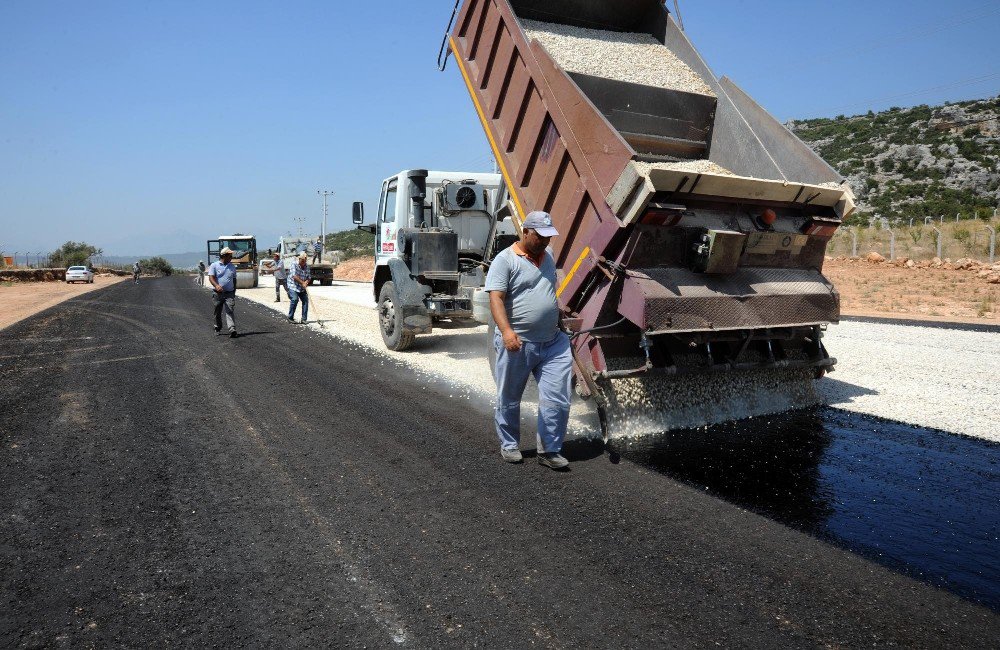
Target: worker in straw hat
x=522 y=287
x=296 y=285
x=222 y=276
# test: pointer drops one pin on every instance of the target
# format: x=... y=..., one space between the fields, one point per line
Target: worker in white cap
x=522 y=287
x=222 y=275
x=297 y=283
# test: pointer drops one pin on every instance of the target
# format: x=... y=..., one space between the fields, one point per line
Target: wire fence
x=43 y=260
x=918 y=239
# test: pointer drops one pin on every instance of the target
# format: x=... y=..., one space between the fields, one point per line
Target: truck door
x=214 y=246
x=387 y=222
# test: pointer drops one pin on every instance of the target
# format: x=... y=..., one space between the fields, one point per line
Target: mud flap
x=411 y=295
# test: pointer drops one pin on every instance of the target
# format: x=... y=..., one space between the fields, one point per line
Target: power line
x=912 y=93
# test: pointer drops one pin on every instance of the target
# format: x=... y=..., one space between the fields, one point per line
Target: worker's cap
x=303 y=256
x=540 y=222
x=225 y=251
x=277 y=254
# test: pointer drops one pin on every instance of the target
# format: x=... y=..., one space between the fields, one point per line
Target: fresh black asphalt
x=161 y=485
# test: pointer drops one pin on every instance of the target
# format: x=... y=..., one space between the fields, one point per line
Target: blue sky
x=148 y=127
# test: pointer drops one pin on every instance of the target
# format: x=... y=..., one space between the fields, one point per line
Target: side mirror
x=358 y=212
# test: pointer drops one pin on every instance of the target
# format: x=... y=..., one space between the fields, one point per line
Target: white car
x=79 y=274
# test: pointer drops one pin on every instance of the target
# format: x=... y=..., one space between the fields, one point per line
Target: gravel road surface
x=163 y=485
x=943 y=378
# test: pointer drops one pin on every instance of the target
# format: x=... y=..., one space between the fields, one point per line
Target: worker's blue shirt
x=224 y=274
x=529 y=293
x=301 y=272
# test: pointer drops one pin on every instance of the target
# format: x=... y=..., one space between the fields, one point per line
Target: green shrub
x=73 y=253
x=156 y=265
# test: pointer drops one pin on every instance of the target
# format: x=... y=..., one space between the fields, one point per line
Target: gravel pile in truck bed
x=692 y=166
x=624 y=56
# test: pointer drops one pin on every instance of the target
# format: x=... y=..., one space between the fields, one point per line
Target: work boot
x=233 y=334
x=553 y=460
x=511 y=455
x=217 y=328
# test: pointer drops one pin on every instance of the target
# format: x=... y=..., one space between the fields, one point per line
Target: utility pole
x=324 y=194
x=300 y=221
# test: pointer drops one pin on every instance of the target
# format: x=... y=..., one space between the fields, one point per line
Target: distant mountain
x=915 y=162
x=177 y=260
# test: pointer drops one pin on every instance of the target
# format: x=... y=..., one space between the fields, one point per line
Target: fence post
x=935 y=229
x=854 y=242
x=892 y=239
x=993 y=240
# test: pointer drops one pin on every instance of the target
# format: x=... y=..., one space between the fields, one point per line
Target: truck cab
x=290 y=247
x=433 y=231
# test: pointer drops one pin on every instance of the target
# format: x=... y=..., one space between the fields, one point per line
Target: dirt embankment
x=359 y=269
x=963 y=290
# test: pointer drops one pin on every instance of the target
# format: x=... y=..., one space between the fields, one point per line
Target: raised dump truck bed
x=693 y=224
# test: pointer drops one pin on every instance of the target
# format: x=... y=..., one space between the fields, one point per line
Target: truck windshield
x=238 y=246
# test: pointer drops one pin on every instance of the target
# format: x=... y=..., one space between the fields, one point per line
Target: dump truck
x=693 y=225
x=244 y=249
x=433 y=231
x=290 y=247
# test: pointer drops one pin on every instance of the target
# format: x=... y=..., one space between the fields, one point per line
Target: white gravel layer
x=945 y=379
x=453 y=355
x=624 y=56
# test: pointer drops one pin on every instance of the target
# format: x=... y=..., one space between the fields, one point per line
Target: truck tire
x=390 y=320
x=325 y=283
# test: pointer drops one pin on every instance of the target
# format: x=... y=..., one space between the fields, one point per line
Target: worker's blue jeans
x=295 y=297
x=552 y=366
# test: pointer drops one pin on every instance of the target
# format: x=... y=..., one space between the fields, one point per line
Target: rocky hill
x=915 y=162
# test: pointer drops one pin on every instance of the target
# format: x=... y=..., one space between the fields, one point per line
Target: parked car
x=79 y=274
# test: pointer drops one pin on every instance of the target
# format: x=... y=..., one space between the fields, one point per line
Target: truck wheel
x=325 y=283
x=390 y=320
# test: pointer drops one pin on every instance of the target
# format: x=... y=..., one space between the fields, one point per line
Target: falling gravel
x=624 y=56
x=651 y=403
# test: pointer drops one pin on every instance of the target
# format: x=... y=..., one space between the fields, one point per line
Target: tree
x=156 y=265
x=73 y=253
